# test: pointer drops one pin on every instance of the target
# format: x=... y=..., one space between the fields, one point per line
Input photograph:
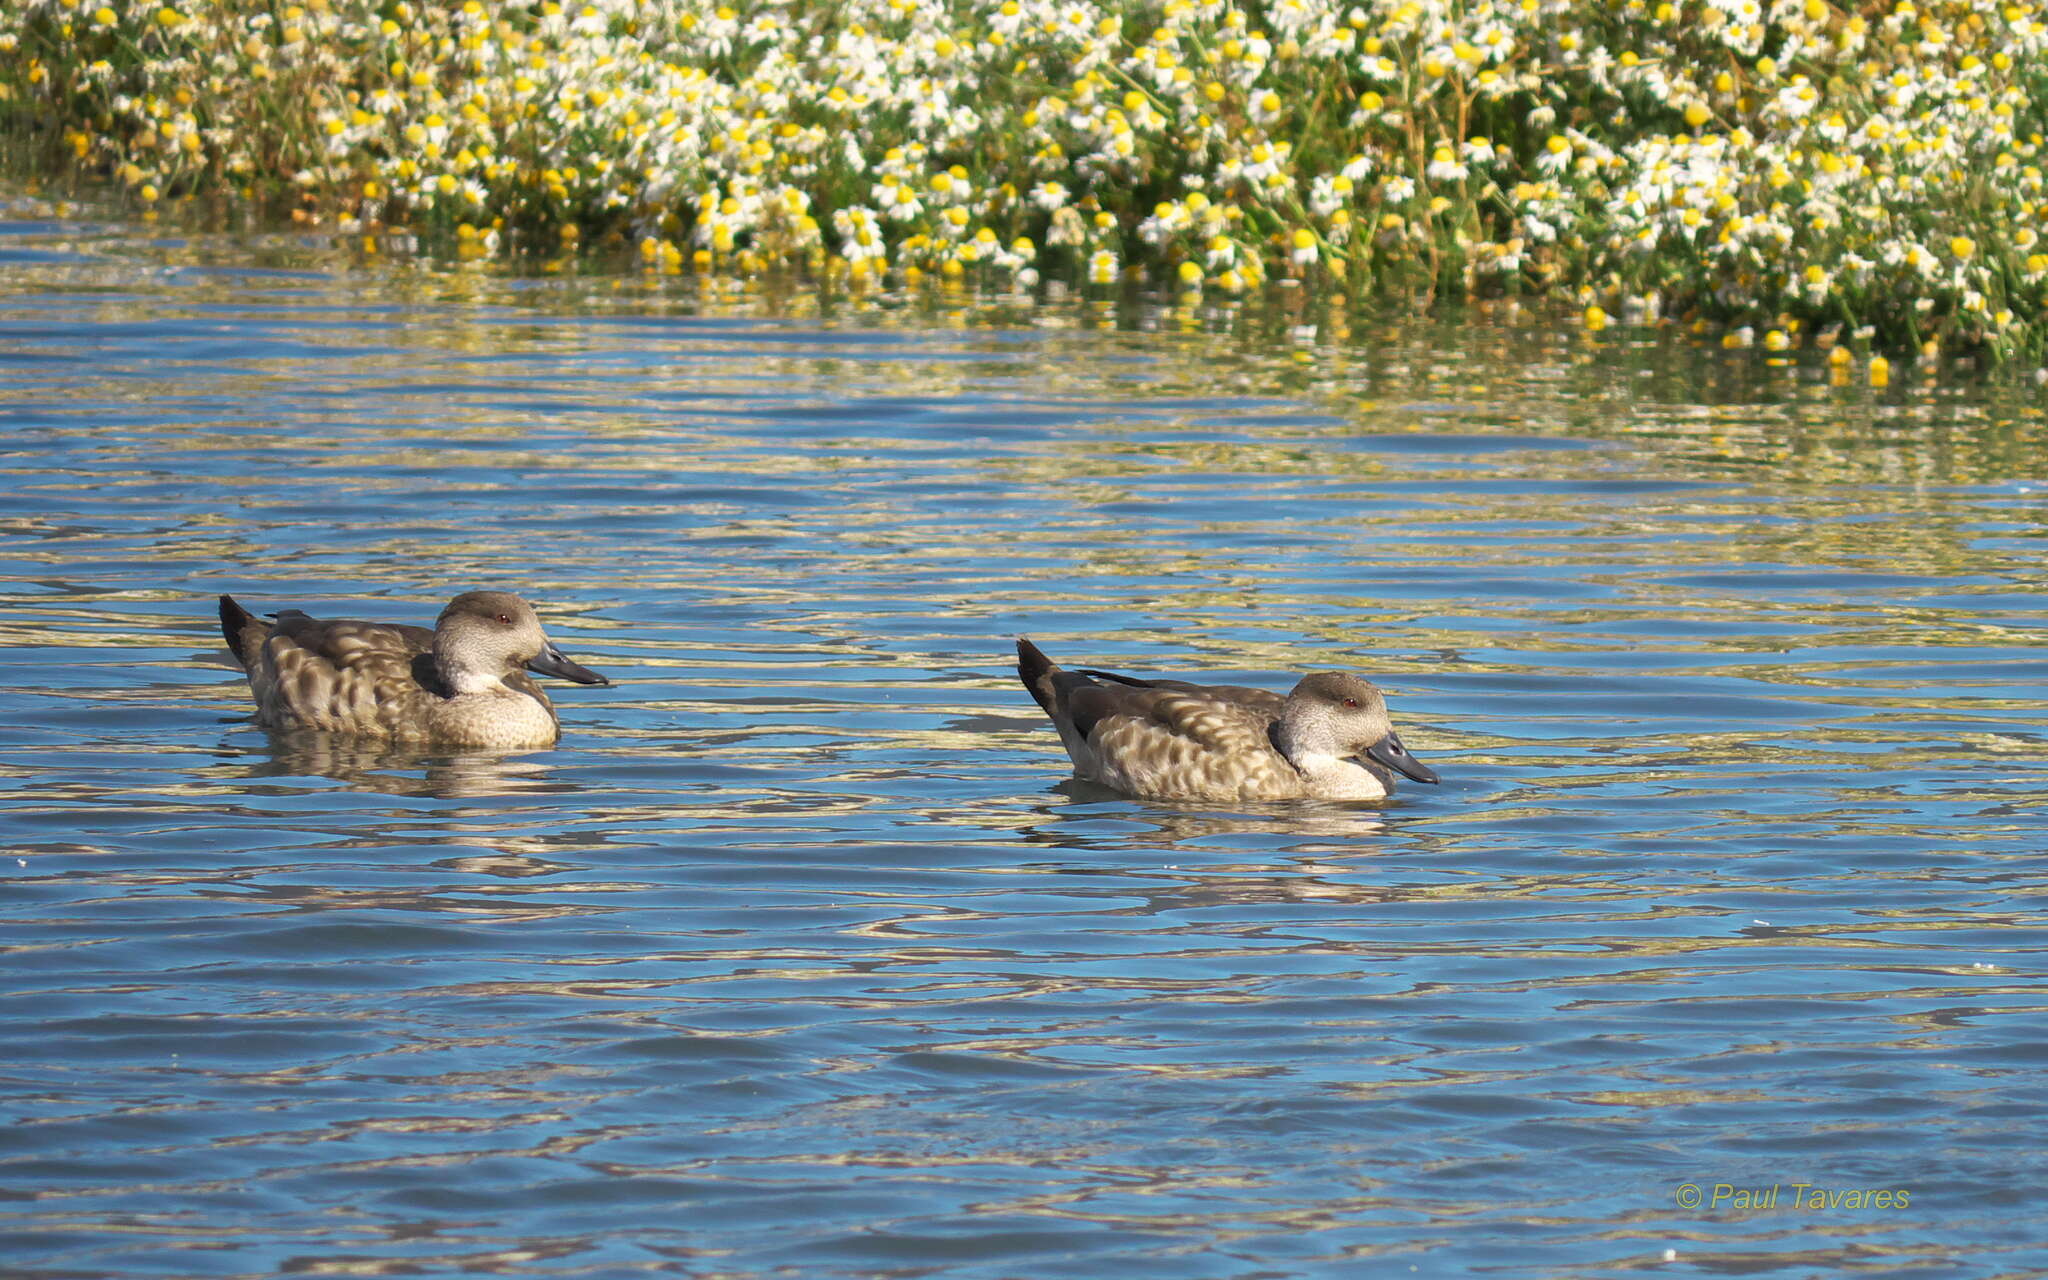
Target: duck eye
x=1351 y=702
x=505 y=618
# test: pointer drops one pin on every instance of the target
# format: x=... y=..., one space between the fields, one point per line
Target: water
x=799 y=958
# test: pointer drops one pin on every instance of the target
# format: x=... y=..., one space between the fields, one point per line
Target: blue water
x=800 y=957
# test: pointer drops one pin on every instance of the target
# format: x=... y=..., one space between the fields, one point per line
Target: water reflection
x=801 y=953
x=369 y=765
x=1099 y=816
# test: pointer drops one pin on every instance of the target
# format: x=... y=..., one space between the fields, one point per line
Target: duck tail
x=1038 y=672
x=244 y=631
x=1051 y=685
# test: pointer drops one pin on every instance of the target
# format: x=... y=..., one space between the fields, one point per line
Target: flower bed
x=1792 y=166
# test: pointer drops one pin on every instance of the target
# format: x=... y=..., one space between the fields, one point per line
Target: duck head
x=484 y=636
x=1338 y=714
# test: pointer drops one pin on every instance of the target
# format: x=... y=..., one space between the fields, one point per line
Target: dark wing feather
x=1245 y=695
x=1089 y=704
x=1133 y=681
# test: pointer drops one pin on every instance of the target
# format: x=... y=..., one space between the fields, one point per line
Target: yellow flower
x=1190 y=274
x=1963 y=247
x=1595 y=319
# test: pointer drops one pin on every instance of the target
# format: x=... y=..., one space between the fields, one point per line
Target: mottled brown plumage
x=462 y=684
x=1330 y=739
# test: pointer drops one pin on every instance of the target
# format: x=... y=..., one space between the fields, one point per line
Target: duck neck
x=1323 y=769
x=1306 y=750
x=460 y=677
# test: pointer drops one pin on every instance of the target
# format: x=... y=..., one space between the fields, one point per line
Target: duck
x=462 y=684
x=1329 y=739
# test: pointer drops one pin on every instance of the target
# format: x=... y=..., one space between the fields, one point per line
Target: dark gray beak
x=553 y=662
x=1389 y=752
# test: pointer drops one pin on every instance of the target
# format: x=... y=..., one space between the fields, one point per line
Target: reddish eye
x=1350 y=702
x=505 y=618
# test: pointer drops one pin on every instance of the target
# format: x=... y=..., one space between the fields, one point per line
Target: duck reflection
x=368 y=765
x=1089 y=822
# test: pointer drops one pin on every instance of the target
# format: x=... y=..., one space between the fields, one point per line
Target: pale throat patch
x=468 y=680
x=1322 y=764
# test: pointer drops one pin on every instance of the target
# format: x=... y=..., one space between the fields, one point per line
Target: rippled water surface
x=800 y=957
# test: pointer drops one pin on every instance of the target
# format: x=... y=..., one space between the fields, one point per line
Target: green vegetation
x=1782 y=167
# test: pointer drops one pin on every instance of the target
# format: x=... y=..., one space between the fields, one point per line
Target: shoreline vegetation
x=1786 y=173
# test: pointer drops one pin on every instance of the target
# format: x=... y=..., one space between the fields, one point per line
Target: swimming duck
x=463 y=684
x=1330 y=739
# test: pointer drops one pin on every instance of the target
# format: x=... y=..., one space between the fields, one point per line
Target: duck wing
x=1188 y=713
x=1185 y=743
x=373 y=660
x=1167 y=739
x=333 y=673
x=1243 y=695
x=346 y=644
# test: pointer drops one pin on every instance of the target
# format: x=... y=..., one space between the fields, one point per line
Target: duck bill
x=553 y=662
x=1389 y=752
